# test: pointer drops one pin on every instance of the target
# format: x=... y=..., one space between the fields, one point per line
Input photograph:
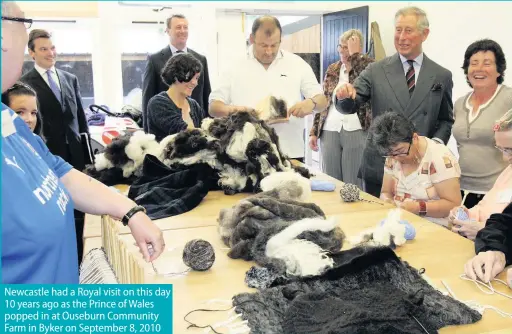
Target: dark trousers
x=79 y=226
x=372 y=188
x=472 y=199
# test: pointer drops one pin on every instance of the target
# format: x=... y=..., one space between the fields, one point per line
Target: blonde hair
x=349 y=33
x=419 y=13
x=504 y=123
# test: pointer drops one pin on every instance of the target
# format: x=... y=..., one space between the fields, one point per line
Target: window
x=73 y=43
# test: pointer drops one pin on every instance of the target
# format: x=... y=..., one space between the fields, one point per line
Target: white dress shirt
x=174 y=49
x=289 y=78
x=336 y=121
x=418 y=61
x=43 y=73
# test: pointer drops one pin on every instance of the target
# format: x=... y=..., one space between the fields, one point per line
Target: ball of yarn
x=410 y=231
x=462 y=214
x=198 y=254
x=349 y=193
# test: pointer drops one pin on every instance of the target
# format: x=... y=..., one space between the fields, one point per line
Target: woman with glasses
x=22 y=99
x=420 y=175
x=500 y=195
x=475 y=113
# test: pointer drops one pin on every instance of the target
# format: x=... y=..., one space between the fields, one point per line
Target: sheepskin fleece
x=240 y=148
x=369 y=290
x=252 y=222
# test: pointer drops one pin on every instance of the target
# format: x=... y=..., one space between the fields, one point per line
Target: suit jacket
x=430 y=107
x=153 y=84
x=64 y=122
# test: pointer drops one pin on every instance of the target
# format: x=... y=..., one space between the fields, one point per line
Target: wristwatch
x=423 y=208
x=131 y=213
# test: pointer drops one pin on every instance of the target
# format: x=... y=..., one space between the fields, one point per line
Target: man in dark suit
x=177 y=29
x=60 y=104
x=407 y=82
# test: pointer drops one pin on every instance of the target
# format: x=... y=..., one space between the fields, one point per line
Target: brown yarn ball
x=199 y=255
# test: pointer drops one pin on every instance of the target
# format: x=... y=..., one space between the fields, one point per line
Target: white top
x=472 y=117
x=418 y=61
x=336 y=121
x=289 y=78
x=42 y=72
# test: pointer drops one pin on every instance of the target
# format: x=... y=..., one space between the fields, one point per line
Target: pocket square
x=437 y=86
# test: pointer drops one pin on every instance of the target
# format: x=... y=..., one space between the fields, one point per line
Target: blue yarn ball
x=462 y=214
x=410 y=231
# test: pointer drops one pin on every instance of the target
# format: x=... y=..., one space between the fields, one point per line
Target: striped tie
x=410 y=76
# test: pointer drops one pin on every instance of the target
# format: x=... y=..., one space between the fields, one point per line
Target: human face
x=403 y=152
x=44 y=54
x=26 y=107
x=504 y=144
x=178 y=32
x=14 y=41
x=408 y=38
x=343 y=51
x=187 y=87
x=482 y=70
x=265 y=47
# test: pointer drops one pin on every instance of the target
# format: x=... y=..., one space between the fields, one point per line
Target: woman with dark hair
x=420 y=175
x=22 y=99
x=475 y=113
x=174 y=110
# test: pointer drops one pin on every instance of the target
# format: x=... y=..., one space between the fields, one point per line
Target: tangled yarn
x=349 y=193
x=199 y=255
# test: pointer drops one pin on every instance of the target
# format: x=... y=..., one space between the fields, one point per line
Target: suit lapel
x=423 y=85
x=166 y=54
x=395 y=74
x=42 y=83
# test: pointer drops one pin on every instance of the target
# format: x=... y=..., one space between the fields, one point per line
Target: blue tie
x=53 y=86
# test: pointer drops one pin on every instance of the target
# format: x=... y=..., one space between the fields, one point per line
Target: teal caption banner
x=106 y=308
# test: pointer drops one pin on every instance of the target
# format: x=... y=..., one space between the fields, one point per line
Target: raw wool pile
x=240 y=147
x=279 y=231
x=368 y=290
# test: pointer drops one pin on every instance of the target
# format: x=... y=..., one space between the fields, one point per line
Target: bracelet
x=423 y=208
x=131 y=213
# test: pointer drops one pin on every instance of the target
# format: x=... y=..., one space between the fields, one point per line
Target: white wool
x=361 y=237
x=101 y=162
x=206 y=123
x=280 y=179
x=302 y=257
x=232 y=178
x=239 y=141
x=139 y=145
x=266 y=167
x=204 y=156
x=382 y=234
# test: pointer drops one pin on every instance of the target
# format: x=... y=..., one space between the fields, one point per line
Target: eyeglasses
x=507 y=150
x=26 y=22
x=399 y=154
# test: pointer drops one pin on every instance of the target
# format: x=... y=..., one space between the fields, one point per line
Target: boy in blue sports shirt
x=40 y=190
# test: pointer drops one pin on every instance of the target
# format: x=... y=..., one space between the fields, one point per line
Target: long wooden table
x=441 y=252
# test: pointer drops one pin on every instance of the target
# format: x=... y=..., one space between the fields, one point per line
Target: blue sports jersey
x=38 y=228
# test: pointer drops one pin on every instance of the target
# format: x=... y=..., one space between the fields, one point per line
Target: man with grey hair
x=407 y=82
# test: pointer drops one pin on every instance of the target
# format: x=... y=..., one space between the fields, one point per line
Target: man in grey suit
x=152 y=83
x=407 y=82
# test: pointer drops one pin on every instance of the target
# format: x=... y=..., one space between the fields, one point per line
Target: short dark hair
x=181 y=67
x=390 y=129
x=35 y=34
x=20 y=89
x=486 y=45
x=266 y=18
x=169 y=19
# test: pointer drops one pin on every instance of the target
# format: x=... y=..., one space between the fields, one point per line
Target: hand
x=302 y=108
x=411 y=206
x=346 y=91
x=354 y=45
x=277 y=120
x=509 y=277
x=492 y=262
x=313 y=143
x=453 y=214
x=146 y=233
x=467 y=229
